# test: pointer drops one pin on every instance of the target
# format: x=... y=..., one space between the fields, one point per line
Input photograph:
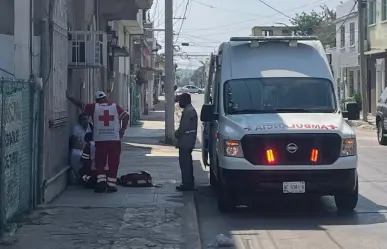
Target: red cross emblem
x=106 y=118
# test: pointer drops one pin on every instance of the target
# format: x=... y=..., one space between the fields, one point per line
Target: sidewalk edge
x=192 y=232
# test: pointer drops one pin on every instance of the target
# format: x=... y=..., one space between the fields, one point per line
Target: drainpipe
x=32 y=39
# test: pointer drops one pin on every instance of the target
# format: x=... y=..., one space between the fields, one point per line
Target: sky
x=210 y=22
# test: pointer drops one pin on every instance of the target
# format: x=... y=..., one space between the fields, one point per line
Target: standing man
x=110 y=122
x=186 y=140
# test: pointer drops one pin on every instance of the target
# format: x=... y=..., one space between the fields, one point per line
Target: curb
x=361 y=125
x=191 y=226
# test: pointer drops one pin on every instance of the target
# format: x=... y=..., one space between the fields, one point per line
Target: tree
x=317 y=23
x=184 y=81
x=161 y=58
x=198 y=77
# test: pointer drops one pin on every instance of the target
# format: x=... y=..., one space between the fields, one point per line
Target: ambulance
x=272 y=124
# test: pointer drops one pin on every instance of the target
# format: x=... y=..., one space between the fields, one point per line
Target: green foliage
x=317 y=23
x=358 y=99
x=198 y=77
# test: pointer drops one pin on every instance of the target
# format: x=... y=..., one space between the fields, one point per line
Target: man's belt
x=191 y=131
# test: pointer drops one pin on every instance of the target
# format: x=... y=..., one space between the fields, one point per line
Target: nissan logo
x=292 y=148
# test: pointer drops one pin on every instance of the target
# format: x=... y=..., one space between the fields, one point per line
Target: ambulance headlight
x=233 y=148
x=348 y=147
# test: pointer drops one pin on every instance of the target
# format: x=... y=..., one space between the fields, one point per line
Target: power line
x=346 y=18
x=278 y=11
x=219 y=8
x=317 y=2
x=182 y=22
x=155 y=10
x=5 y=71
x=175 y=11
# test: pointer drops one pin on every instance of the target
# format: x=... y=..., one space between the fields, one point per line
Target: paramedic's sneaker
x=101 y=187
x=111 y=189
x=185 y=188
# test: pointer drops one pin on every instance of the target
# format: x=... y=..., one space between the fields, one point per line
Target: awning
x=120 y=51
x=375 y=51
x=133 y=27
x=151 y=69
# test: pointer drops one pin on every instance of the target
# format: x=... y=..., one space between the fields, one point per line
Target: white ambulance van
x=272 y=123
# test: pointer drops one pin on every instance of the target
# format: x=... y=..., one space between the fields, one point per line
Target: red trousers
x=107 y=151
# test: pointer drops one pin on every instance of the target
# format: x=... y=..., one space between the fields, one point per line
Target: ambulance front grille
x=255 y=148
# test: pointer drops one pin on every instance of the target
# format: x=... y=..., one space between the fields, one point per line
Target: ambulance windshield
x=276 y=95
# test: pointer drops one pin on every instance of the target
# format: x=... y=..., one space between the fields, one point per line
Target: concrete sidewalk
x=135 y=218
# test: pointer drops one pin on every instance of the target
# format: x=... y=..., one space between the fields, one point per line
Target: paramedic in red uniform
x=110 y=122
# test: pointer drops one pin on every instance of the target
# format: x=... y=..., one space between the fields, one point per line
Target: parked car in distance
x=381 y=118
x=194 y=89
x=180 y=91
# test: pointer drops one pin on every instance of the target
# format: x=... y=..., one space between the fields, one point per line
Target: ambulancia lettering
x=292 y=126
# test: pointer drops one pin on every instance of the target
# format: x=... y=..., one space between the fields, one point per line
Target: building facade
x=377 y=50
x=346 y=65
x=58 y=46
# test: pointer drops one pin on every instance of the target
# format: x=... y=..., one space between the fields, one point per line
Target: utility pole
x=361 y=5
x=169 y=71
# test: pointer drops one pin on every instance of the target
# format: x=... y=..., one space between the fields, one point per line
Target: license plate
x=293 y=187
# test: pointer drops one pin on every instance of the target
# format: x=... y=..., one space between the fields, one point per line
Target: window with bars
x=342 y=37
x=371 y=12
x=350 y=83
x=352 y=34
x=384 y=10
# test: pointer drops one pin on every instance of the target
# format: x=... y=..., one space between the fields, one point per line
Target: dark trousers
x=186 y=167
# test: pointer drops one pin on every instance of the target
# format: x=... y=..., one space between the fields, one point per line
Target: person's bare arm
x=124 y=118
x=125 y=122
x=75 y=101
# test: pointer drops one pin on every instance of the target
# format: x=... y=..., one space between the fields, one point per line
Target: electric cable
x=182 y=22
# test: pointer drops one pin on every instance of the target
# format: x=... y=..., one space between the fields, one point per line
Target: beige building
x=377 y=51
x=272 y=31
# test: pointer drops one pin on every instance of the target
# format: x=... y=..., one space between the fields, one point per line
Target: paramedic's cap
x=99 y=95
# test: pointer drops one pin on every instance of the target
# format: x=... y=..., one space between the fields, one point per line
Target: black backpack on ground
x=138 y=179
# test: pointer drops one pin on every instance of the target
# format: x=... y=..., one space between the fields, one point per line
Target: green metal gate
x=135 y=90
x=19 y=136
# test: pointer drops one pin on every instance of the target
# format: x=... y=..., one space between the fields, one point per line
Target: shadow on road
x=290 y=213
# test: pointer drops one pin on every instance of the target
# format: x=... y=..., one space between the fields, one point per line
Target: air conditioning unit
x=87 y=49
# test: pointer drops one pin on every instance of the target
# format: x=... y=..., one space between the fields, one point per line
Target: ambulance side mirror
x=207 y=113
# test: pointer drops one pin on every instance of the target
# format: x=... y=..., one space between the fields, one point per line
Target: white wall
x=346 y=57
x=121 y=89
x=8 y=57
x=22 y=39
x=349 y=54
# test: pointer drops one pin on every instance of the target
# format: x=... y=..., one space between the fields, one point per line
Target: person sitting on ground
x=110 y=122
x=87 y=172
x=77 y=142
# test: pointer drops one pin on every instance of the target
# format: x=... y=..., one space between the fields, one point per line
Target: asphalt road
x=297 y=223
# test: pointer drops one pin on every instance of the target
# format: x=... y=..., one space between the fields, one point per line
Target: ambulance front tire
x=347 y=202
x=225 y=198
x=213 y=181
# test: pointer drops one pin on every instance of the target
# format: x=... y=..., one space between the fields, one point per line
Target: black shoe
x=111 y=189
x=101 y=187
x=183 y=188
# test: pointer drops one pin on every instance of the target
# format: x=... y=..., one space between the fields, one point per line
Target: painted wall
x=7 y=57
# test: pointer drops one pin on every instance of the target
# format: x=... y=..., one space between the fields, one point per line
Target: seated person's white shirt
x=76 y=153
